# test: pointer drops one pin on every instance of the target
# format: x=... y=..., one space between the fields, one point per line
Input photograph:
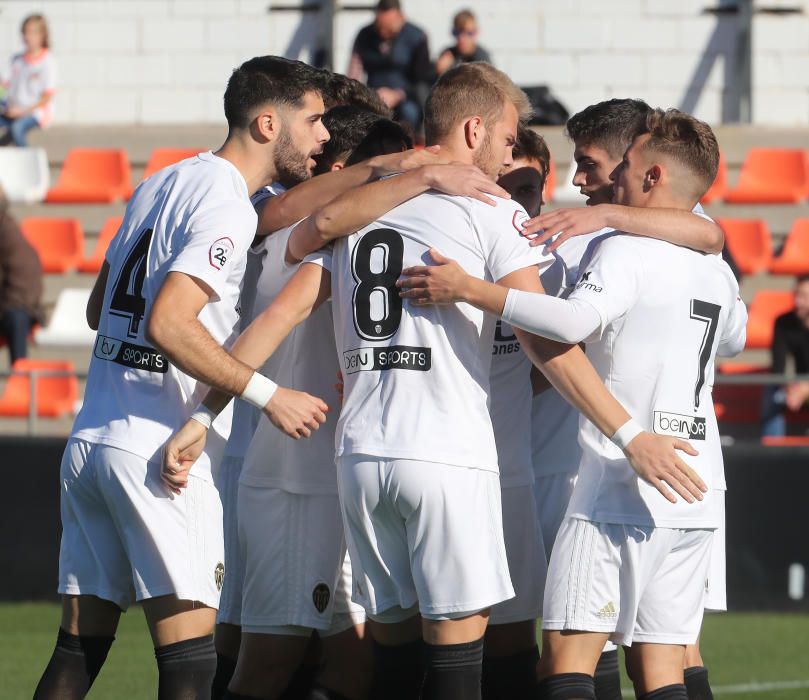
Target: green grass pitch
x=743 y=651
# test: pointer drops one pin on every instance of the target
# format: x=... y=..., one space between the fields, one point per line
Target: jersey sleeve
x=216 y=236
x=505 y=246
x=611 y=281
x=323 y=257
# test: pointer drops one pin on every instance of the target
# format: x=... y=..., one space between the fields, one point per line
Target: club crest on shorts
x=219 y=575
x=320 y=597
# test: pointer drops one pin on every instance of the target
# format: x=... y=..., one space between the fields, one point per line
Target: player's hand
x=180 y=453
x=655 y=460
x=796 y=395
x=567 y=223
x=295 y=413
x=442 y=283
x=464 y=180
x=13 y=112
x=339 y=387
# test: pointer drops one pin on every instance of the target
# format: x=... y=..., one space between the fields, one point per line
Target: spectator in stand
x=395 y=57
x=790 y=339
x=20 y=284
x=30 y=84
x=466 y=49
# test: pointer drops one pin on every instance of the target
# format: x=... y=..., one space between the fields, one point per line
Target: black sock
x=675 y=691
x=398 y=671
x=186 y=669
x=225 y=666
x=510 y=677
x=608 y=677
x=696 y=683
x=567 y=686
x=453 y=671
x=230 y=695
x=321 y=693
x=74 y=665
x=301 y=683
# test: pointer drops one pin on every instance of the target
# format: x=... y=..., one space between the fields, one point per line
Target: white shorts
x=527 y=562
x=716 y=599
x=639 y=584
x=295 y=571
x=125 y=538
x=552 y=494
x=423 y=532
x=226 y=479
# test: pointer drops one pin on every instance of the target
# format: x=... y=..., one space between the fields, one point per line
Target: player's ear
x=266 y=125
x=338 y=165
x=653 y=176
x=474 y=132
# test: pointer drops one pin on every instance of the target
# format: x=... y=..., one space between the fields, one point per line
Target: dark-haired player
x=164 y=304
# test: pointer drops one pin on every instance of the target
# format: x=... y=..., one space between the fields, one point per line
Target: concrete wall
x=166 y=61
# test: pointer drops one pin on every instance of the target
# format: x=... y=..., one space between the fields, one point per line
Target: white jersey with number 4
x=417 y=377
x=194 y=217
x=666 y=312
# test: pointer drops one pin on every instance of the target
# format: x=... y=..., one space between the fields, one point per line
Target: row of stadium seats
x=750 y=243
x=96 y=175
x=60 y=243
x=88 y=175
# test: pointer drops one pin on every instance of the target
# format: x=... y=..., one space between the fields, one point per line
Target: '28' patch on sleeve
x=220 y=252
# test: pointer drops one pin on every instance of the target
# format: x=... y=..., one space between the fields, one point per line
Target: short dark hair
x=385 y=136
x=342 y=90
x=531 y=146
x=268 y=79
x=350 y=128
x=611 y=125
x=686 y=140
x=385 y=5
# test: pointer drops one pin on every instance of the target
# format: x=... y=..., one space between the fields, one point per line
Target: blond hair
x=686 y=140
x=43 y=25
x=469 y=90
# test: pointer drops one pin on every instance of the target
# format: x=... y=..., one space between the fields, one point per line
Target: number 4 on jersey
x=127 y=295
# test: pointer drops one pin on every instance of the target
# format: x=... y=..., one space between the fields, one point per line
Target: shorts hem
x=470 y=607
x=121 y=602
x=659 y=638
x=228 y=617
x=259 y=623
x=148 y=594
x=346 y=622
x=510 y=618
x=561 y=625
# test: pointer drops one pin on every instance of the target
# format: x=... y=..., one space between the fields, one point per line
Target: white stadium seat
x=24 y=174
x=68 y=324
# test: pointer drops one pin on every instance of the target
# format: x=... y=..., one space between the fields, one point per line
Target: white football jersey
x=306 y=361
x=554 y=422
x=417 y=378
x=194 y=217
x=245 y=415
x=665 y=313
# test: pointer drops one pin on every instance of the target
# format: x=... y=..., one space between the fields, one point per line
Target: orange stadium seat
x=737 y=403
x=55 y=396
x=750 y=243
x=767 y=305
x=772 y=176
x=163 y=157
x=92 y=175
x=58 y=242
x=731 y=367
x=794 y=258
x=720 y=184
x=96 y=260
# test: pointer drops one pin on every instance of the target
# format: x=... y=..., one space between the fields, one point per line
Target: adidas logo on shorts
x=608 y=612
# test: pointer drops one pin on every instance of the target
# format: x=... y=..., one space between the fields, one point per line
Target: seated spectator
x=395 y=57
x=30 y=85
x=790 y=339
x=466 y=49
x=20 y=284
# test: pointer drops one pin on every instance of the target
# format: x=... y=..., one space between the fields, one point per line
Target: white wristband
x=259 y=390
x=626 y=433
x=203 y=414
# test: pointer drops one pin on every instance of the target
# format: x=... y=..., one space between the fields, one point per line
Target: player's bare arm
x=293 y=412
x=288 y=207
x=96 y=301
x=360 y=206
x=653 y=457
x=676 y=226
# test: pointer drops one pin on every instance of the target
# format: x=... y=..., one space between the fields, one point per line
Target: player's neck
x=455 y=152
x=664 y=200
x=242 y=155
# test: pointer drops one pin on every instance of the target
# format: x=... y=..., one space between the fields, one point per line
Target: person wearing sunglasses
x=466 y=49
